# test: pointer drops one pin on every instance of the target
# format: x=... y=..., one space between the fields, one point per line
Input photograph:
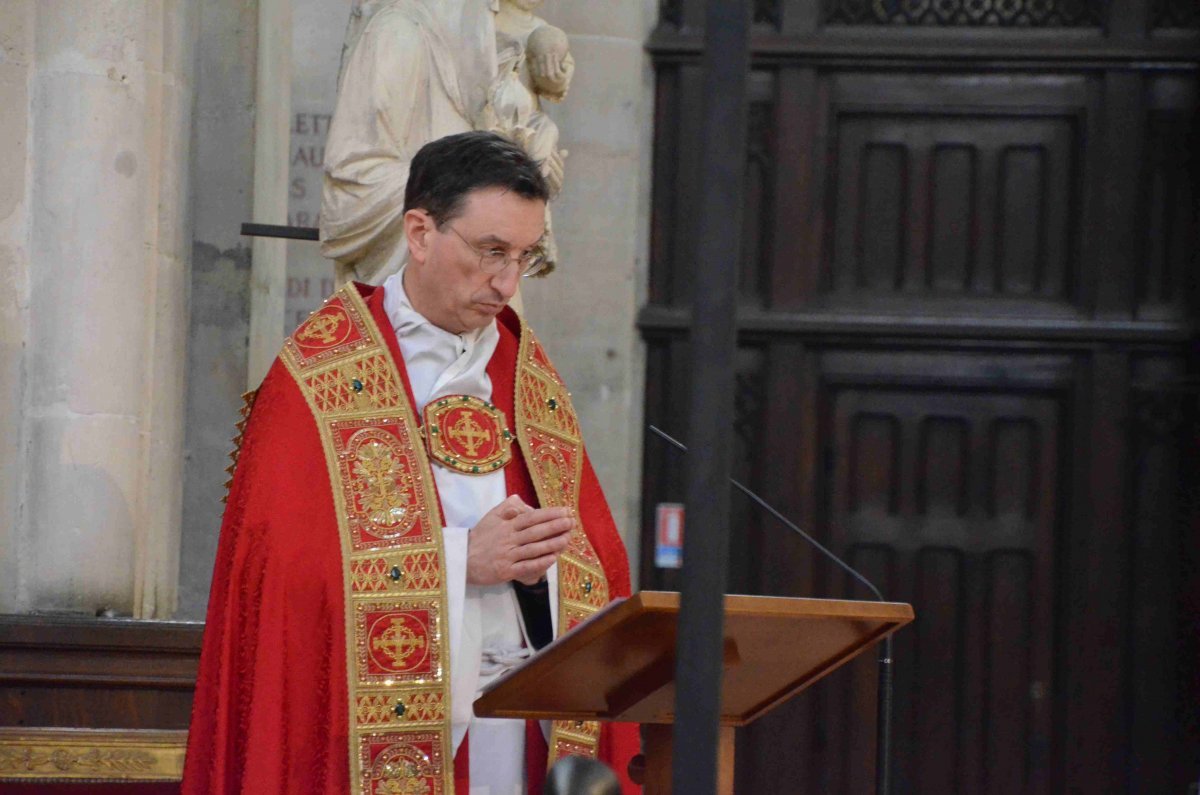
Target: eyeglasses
x=494 y=260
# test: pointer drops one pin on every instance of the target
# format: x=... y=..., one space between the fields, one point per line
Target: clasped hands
x=514 y=541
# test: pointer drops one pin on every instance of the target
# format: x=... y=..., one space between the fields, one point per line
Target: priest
x=412 y=513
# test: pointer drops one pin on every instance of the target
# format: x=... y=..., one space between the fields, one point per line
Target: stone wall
x=585 y=312
x=223 y=180
x=16 y=69
x=93 y=266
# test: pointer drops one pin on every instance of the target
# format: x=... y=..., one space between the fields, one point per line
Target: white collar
x=405 y=318
x=439 y=362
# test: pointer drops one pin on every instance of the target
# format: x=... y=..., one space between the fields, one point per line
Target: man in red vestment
x=412 y=514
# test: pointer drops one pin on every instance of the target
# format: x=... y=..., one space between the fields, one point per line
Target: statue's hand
x=549 y=68
x=553 y=169
x=552 y=73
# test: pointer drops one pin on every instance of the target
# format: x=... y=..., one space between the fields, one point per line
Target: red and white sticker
x=668 y=535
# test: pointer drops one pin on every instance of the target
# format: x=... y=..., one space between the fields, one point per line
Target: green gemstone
x=466 y=398
x=400 y=709
x=433 y=430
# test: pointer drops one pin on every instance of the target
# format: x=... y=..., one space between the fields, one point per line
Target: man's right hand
x=516 y=542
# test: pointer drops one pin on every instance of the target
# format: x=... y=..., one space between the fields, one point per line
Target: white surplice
x=484 y=620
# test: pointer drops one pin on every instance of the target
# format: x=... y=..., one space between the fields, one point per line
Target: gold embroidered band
x=548 y=432
x=397 y=620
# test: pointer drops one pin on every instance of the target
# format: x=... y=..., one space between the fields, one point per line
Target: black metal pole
x=712 y=341
x=883 y=721
x=275 y=230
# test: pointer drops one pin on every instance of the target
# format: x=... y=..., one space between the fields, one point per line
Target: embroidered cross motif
x=398 y=642
x=322 y=327
x=470 y=434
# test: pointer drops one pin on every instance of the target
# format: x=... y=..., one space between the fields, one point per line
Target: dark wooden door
x=967 y=362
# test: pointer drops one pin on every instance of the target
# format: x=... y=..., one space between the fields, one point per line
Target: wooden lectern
x=620 y=666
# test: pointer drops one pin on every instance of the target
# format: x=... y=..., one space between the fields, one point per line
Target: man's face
x=444 y=281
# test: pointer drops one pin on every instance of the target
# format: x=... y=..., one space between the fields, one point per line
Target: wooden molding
x=95 y=755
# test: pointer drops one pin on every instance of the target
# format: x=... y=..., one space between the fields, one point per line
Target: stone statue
x=412 y=71
x=417 y=70
x=534 y=63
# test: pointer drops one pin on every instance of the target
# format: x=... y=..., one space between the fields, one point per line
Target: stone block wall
x=93 y=222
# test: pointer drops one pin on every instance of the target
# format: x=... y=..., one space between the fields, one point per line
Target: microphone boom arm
x=786 y=522
x=883 y=702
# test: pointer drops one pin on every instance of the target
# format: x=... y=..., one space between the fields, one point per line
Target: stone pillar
x=585 y=312
x=16 y=68
x=105 y=260
x=223 y=194
x=273 y=113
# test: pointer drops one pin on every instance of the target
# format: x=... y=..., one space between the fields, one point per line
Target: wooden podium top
x=620 y=664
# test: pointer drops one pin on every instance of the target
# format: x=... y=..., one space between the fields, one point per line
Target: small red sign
x=668 y=535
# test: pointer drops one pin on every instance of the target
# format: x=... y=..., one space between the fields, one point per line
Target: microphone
x=883 y=728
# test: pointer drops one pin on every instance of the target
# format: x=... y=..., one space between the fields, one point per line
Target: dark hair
x=444 y=171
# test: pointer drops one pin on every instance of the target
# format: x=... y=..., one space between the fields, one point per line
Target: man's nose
x=505 y=282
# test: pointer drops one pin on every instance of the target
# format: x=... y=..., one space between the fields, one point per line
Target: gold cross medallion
x=467 y=434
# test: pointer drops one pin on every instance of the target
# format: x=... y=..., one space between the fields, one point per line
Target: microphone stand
x=883 y=701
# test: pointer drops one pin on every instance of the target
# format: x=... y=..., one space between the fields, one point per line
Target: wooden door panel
x=968 y=324
x=947 y=496
x=948 y=186
x=954 y=206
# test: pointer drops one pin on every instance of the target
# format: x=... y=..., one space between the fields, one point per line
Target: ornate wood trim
x=91 y=755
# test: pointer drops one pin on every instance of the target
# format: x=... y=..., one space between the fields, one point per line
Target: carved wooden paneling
x=967 y=320
x=946 y=500
x=1169 y=227
x=1164 y=505
x=671 y=11
x=966 y=13
x=1175 y=14
x=758 y=209
x=97 y=673
x=768 y=12
x=666 y=408
x=936 y=196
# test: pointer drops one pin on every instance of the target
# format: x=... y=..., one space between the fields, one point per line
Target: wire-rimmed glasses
x=493 y=260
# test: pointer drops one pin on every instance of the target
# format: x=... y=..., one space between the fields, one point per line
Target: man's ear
x=417 y=226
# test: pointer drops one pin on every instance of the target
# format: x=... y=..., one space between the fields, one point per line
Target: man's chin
x=480 y=316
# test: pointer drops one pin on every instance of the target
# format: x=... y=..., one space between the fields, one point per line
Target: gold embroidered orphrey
x=389 y=522
x=548 y=432
x=397 y=619
x=467 y=434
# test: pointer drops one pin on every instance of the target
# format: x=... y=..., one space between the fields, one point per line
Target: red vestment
x=271 y=705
